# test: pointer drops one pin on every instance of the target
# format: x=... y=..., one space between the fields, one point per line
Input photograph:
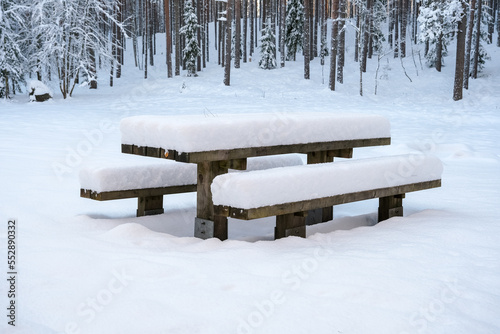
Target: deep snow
x=92 y=267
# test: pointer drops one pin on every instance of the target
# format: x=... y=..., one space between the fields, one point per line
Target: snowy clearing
x=91 y=267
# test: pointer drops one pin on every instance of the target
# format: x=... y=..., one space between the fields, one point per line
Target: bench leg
x=151 y=205
x=325 y=214
x=390 y=206
x=292 y=224
x=207 y=224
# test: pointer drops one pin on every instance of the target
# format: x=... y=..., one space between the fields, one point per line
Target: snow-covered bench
x=149 y=182
x=289 y=192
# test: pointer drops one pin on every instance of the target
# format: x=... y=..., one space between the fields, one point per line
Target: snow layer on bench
x=128 y=174
x=298 y=183
x=190 y=133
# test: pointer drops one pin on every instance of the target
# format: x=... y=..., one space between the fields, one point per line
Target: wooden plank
x=121 y=194
x=285 y=208
x=238 y=153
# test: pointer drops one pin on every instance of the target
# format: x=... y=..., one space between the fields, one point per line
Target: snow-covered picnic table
x=217 y=143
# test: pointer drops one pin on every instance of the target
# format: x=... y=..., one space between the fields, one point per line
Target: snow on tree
x=68 y=36
x=294 y=28
x=438 y=21
x=268 y=47
x=12 y=60
x=478 y=52
x=190 y=30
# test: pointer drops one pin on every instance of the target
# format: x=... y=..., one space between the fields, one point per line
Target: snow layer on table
x=194 y=133
x=127 y=174
x=298 y=183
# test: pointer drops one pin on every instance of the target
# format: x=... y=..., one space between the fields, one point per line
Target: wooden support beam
x=292 y=224
x=238 y=164
x=341 y=153
x=390 y=206
x=151 y=205
x=323 y=214
x=207 y=171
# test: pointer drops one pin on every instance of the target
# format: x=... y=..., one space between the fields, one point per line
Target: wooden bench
x=149 y=182
x=289 y=193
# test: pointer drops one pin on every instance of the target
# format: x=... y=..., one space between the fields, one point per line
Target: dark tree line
x=236 y=31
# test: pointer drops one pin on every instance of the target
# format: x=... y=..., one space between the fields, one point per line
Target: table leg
x=390 y=206
x=206 y=224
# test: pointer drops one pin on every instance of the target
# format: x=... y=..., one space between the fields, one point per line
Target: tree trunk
x=119 y=40
x=491 y=20
x=396 y=28
x=358 y=34
x=366 y=34
x=334 y=43
x=404 y=23
x=168 y=34
x=498 y=23
x=306 y=39
x=475 y=64
x=198 y=33
x=470 y=29
x=7 y=92
x=245 y=30
x=92 y=69
x=439 y=52
x=145 y=39
x=227 y=67
x=151 y=33
x=390 y=5
x=341 y=50
x=459 y=67
x=237 y=33
x=282 y=32
x=178 y=48
x=251 y=10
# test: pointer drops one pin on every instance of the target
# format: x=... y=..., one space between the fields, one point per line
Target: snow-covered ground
x=93 y=267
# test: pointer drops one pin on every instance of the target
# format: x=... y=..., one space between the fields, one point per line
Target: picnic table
x=219 y=143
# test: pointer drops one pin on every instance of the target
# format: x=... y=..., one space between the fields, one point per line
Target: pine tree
x=438 y=20
x=190 y=30
x=12 y=60
x=268 y=47
x=478 y=52
x=294 y=28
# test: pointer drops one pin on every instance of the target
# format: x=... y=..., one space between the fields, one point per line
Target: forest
x=70 y=42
